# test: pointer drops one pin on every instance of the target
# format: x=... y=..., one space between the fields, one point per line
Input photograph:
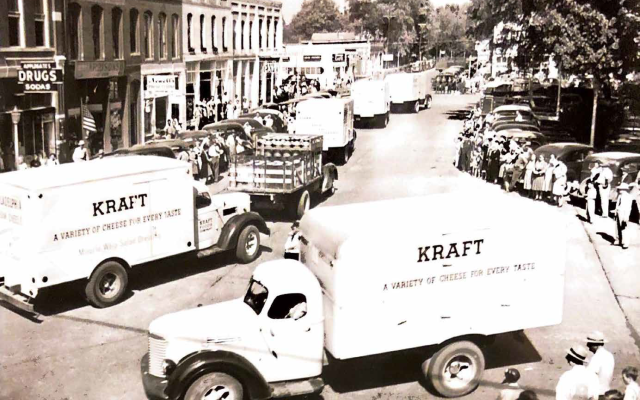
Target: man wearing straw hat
x=578 y=379
x=602 y=362
x=623 y=211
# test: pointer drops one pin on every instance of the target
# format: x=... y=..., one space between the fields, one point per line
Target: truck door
x=209 y=222
x=294 y=332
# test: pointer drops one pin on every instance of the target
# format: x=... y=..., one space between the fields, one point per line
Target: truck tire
x=248 y=246
x=218 y=385
x=383 y=120
x=346 y=154
x=304 y=203
x=327 y=182
x=456 y=369
x=428 y=103
x=416 y=107
x=107 y=284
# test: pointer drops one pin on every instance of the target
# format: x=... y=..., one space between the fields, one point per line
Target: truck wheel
x=248 y=246
x=327 y=184
x=429 y=100
x=304 y=203
x=416 y=107
x=215 y=385
x=107 y=284
x=456 y=369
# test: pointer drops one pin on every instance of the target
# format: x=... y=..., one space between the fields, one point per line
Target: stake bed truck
x=426 y=273
x=95 y=220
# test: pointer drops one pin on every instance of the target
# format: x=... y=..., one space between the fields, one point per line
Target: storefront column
x=247 y=81
x=255 y=82
x=15 y=119
x=238 y=82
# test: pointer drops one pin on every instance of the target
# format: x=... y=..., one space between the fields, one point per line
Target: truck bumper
x=154 y=387
x=16 y=300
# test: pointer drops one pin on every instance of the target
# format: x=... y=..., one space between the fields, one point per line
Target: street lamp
x=15 y=119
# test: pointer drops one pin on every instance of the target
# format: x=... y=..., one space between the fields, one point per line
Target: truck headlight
x=168 y=367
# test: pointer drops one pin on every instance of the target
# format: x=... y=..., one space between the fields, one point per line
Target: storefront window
x=205 y=86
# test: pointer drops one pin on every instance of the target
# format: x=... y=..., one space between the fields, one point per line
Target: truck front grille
x=157 y=353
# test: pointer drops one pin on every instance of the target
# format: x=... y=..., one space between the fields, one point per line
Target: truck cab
x=274 y=333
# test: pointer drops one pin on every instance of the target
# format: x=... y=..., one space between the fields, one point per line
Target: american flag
x=88 y=122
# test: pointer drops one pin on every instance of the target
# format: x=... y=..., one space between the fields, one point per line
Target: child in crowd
x=629 y=377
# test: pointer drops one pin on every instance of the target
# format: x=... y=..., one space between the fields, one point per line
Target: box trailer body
x=372 y=278
x=371 y=101
x=60 y=224
x=333 y=120
x=410 y=90
x=283 y=172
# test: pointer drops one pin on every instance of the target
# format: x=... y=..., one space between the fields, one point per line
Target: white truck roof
x=43 y=178
x=329 y=228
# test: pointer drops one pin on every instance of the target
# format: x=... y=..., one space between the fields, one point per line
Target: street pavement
x=78 y=352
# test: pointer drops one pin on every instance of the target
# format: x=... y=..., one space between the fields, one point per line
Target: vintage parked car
x=257 y=129
x=624 y=165
x=525 y=137
x=571 y=154
x=140 y=150
x=279 y=121
x=626 y=139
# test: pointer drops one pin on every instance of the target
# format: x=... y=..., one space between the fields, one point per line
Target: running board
x=296 y=388
x=209 y=251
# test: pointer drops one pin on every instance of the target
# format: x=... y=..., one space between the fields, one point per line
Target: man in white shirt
x=578 y=380
x=602 y=363
x=602 y=176
x=80 y=153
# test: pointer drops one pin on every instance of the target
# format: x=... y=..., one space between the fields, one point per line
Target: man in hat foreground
x=80 y=153
x=623 y=212
x=292 y=246
x=578 y=380
x=512 y=391
x=601 y=362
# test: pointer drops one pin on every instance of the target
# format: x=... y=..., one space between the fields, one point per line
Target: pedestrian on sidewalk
x=623 y=212
x=539 y=173
x=512 y=389
x=592 y=195
x=518 y=168
x=629 y=377
x=528 y=175
x=602 y=362
x=578 y=380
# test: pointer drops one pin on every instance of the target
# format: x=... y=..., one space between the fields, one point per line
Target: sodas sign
x=39 y=77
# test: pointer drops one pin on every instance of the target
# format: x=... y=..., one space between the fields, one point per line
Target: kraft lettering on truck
x=437 y=251
x=124 y=204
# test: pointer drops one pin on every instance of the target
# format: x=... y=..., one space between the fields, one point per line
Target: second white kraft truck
x=425 y=273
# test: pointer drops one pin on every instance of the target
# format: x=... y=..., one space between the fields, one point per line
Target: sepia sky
x=290 y=7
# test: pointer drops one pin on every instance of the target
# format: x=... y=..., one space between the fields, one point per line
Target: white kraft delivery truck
x=420 y=273
x=409 y=91
x=332 y=119
x=95 y=220
x=371 y=102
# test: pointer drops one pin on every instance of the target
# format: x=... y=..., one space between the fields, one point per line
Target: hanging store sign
x=39 y=77
x=270 y=67
x=338 y=57
x=160 y=85
x=312 y=58
x=98 y=69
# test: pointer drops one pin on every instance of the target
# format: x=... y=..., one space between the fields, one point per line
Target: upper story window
x=148 y=35
x=190 y=48
x=242 y=35
x=97 y=33
x=250 y=35
x=260 y=38
x=116 y=32
x=162 y=33
x=236 y=24
x=214 y=34
x=75 y=32
x=203 y=46
x=15 y=22
x=224 y=33
x=134 y=24
x=176 y=35
x=39 y=21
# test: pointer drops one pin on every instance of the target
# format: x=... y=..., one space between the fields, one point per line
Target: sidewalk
x=622 y=267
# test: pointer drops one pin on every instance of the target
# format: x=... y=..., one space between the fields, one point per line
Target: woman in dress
x=548 y=176
x=539 y=171
x=559 y=184
x=528 y=175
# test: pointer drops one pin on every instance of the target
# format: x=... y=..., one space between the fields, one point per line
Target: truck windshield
x=256 y=296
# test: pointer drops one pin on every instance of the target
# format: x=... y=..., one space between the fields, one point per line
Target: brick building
x=30 y=120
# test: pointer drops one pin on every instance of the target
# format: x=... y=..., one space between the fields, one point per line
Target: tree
x=315 y=16
x=401 y=24
x=449 y=29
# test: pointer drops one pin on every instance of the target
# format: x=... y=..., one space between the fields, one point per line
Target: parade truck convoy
x=331 y=118
x=95 y=220
x=409 y=91
x=371 y=102
x=283 y=172
x=430 y=274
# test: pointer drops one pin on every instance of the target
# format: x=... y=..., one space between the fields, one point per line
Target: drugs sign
x=39 y=77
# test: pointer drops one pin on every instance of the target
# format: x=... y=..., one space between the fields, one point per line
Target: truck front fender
x=233 y=227
x=204 y=362
x=331 y=170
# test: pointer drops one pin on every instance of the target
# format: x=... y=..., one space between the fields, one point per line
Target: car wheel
x=304 y=203
x=416 y=107
x=107 y=284
x=248 y=246
x=215 y=385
